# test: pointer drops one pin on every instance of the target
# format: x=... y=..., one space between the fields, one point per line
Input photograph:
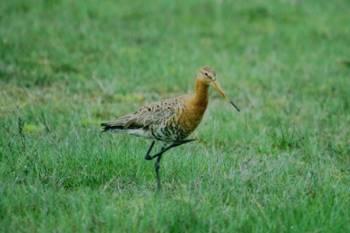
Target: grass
x=281 y=165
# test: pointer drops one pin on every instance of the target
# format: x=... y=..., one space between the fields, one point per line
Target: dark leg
x=160 y=154
x=157 y=166
x=175 y=144
x=147 y=156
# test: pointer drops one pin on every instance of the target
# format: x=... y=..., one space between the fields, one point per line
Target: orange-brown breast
x=194 y=108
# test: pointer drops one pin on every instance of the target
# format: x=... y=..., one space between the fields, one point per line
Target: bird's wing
x=147 y=115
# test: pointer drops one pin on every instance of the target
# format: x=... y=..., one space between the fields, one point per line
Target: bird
x=169 y=121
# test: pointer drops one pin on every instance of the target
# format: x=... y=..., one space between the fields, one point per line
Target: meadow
x=280 y=165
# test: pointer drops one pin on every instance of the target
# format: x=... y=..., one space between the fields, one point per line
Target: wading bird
x=169 y=121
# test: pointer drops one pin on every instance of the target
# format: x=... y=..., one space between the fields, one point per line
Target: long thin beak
x=218 y=88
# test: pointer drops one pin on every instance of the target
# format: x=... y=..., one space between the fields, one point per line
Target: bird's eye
x=206 y=74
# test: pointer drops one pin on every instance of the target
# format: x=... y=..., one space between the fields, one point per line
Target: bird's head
x=208 y=77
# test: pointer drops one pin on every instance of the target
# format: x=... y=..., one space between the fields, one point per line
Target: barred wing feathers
x=152 y=114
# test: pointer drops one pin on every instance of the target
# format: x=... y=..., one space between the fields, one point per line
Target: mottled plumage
x=155 y=121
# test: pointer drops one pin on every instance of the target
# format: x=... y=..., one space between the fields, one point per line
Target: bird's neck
x=200 y=98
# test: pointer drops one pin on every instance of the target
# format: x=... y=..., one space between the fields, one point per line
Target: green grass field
x=280 y=165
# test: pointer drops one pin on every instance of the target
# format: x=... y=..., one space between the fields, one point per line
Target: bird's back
x=156 y=120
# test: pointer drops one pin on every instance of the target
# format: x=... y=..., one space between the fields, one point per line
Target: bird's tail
x=121 y=124
x=108 y=126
